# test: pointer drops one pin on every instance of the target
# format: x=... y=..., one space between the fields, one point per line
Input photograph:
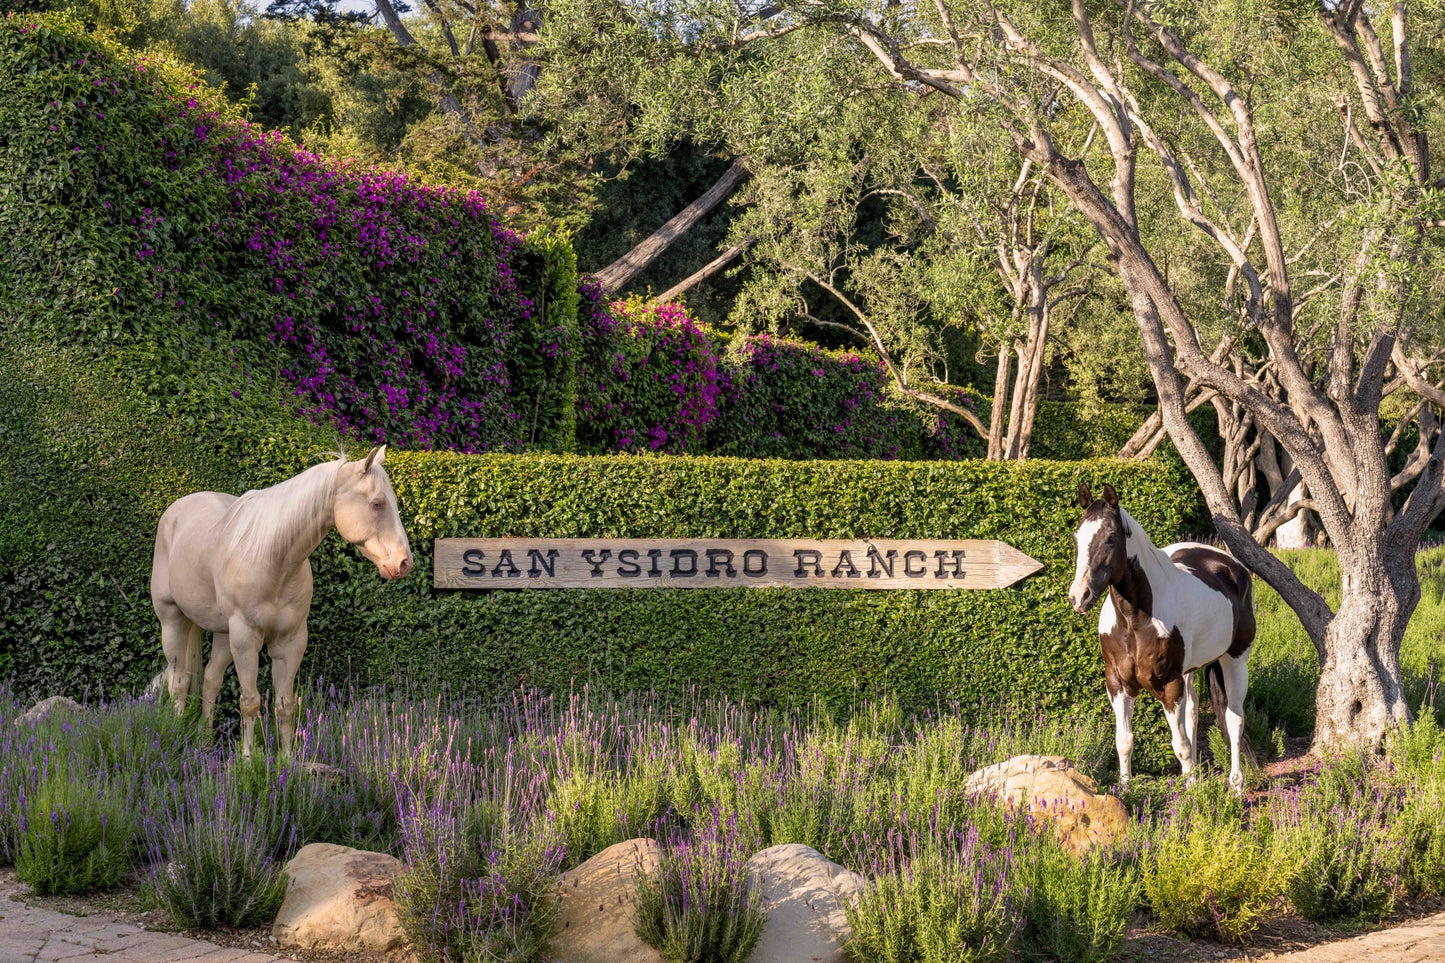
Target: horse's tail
x=1219 y=699
x=193 y=661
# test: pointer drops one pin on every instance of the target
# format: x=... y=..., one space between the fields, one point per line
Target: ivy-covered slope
x=136 y=202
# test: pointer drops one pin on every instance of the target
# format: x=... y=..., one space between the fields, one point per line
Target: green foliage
x=1076 y=910
x=1346 y=867
x=214 y=855
x=1066 y=430
x=1419 y=830
x=475 y=886
x=399 y=311
x=79 y=500
x=78 y=834
x=701 y=905
x=946 y=903
x=1211 y=878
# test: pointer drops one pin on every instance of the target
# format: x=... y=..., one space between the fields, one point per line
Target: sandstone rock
x=339 y=898
x=596 y=907
x=331 y=775
x=804 y=893
x=1047 y=787
x=45 y=708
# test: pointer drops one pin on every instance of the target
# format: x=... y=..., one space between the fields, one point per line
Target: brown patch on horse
x=1136 y=655
x=1229 y=578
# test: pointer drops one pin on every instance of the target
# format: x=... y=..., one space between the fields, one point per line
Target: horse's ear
x=376 y=457
x=1111 y=497
x=1085 y=499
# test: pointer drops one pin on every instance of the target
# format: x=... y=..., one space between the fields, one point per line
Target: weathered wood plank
x=552 y=563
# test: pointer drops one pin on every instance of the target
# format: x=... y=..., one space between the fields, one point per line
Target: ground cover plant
x=487 y=802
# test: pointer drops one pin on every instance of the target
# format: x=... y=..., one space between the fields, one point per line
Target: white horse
x=240 y=568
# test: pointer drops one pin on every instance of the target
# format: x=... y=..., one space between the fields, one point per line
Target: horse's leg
x=246 y=651
x=286 y=656
x=1176 y=712
x=1123 y=704
x=181 y=643
x=215 y=675
x=1236 y=683
x=1191 y=718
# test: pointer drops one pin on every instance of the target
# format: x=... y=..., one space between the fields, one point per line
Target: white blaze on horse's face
x=1100 y=547
x=1081 y=592
x=366 y=515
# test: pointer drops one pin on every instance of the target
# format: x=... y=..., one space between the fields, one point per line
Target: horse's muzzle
x=1084 y=601
x=394 y=570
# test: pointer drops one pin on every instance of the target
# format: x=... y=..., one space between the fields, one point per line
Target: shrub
x=1346 y=870
x=941 y=898
x=1210 y=878
x=647 y=377
x=1075 y=910
x=215 y=850
x=475 y=882
x=792 y=399
x=77 y=835
x=596 y=809
x=1419 y=829
x=399 y=311
x=701 y=906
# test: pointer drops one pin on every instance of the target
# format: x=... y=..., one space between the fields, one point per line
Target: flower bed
x=486 y=806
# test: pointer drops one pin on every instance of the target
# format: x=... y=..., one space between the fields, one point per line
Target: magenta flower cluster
x=648 y=377
x=399 y=309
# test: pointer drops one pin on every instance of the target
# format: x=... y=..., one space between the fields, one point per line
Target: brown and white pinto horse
x=1167 y=613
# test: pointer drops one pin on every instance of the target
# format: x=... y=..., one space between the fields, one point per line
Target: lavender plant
x=939 y=897
x=701 y=906
x=1347 y=861
x=77 y=834
x=217 y=851
x=1075 y=909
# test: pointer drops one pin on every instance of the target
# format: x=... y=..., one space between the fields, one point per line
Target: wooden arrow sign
x=553 y=563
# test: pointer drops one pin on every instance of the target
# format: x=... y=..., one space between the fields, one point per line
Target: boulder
x=1049 y=788
x=322 y=772
x=804 y=893
x=596 y=907
x=339 y=898
x=45 y=708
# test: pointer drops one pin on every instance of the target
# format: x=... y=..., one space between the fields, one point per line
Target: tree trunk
x=1023 y=432
x=1361 y=696
x=707 y=270
x=625 y=268
x=1297 y=532
x=996 y=423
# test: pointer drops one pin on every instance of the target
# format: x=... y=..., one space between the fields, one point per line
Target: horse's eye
x=376 y=506
x=1111 y=540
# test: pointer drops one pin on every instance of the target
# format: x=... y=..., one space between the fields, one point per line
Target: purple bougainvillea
x=648 y=377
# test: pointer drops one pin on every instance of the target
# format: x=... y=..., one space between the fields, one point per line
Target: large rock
x=597 y=907
x=1049 y=788
x=45 y=708
x=804 y=893
x=339 y=898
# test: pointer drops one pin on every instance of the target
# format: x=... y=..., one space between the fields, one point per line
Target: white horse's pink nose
x=394 y=570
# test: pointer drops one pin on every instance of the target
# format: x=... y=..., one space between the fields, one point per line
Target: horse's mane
x=263 y=519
